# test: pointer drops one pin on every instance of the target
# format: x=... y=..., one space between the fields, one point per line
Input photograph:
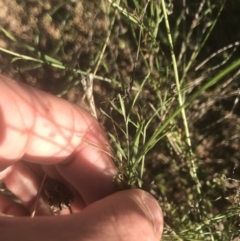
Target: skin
x=42 y=134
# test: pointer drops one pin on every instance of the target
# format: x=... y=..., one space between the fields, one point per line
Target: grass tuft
x=166 y=91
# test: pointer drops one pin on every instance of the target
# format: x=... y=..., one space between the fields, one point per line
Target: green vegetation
x=165 y=78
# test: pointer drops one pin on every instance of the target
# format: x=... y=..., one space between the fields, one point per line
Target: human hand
x=44 y=134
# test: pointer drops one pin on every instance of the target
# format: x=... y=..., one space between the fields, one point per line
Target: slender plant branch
x=181 y=102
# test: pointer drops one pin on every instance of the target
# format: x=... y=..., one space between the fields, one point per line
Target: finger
x=49 y=130
x=11 y=208
x=25 y=184
x=127 y=215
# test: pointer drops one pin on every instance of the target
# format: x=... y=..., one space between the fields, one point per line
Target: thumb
x=126 y=215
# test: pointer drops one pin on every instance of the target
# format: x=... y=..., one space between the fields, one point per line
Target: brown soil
x=73 y=32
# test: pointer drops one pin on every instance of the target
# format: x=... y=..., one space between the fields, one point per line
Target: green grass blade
x=209 y=84
x=45 y=57
x=136 y=141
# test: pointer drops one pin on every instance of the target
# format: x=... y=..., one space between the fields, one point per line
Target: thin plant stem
x=181 y=102
x=38 y=196
x=197 y=51
x=106 y=41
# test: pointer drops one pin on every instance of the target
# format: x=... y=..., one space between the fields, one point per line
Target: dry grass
x=184 y=155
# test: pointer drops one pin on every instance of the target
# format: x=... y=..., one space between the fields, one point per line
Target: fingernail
x=155 y=213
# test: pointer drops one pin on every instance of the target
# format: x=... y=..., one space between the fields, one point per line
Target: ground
x=75 y=32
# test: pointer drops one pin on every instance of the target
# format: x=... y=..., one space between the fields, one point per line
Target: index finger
x=47 y=130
